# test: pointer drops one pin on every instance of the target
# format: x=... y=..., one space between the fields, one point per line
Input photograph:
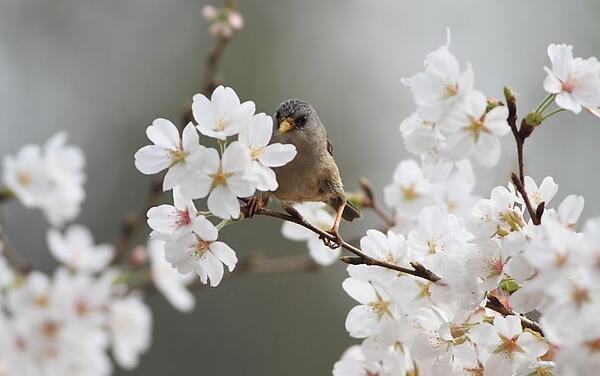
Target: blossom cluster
x=486 y=252
x=236 y=170
x=49 y=178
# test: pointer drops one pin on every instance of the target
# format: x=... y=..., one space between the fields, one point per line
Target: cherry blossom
x=76 y=249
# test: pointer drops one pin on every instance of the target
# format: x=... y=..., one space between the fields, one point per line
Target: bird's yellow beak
x=286 y=125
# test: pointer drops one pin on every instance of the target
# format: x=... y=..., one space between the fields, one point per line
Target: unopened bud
x=139 y=256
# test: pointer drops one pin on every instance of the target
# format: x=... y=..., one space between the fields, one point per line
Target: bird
x=313 y=175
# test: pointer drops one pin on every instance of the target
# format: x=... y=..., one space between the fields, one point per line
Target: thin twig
x=367 y=260
x=494 y=304
x=520 y=136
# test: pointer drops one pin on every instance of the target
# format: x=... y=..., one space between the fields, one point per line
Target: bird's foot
x=253 y=206
x=332 y=243
x=293 y=212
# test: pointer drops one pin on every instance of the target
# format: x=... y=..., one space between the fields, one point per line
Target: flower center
x=221 y=124
x=219 y=178
x=50 y=328
x=410 y=193
x=580 y=296
x=594 y=345
x=25 y=178
x=255 y=153
x=450 y=90
x=495 y=266
x=569 y=85
x=508 y=346
x=183 y=218
x=476 y=127
x=200 y=249
x=424 y=291
x=380 y=307
x=177 y=156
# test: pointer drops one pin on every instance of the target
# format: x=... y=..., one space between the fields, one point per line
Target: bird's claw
x=335 y=243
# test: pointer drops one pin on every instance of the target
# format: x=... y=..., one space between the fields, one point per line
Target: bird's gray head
x=296 y=115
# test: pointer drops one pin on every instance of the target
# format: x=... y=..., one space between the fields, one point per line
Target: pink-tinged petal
x=163 y=133
x=205 y=229
x=152 y=159
x=225 y=100
x=362 y=292
x=190 y=139
x=533 y=345
x=225 y=254
x=566 y=101
x=213 y=267
x=276 y=155
x=361 y=322
x=236 y=158
x=223 y=204
x=552 y=83
x=487 y=150
x=176 y=175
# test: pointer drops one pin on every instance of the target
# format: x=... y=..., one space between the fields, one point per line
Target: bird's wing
x=329 y=147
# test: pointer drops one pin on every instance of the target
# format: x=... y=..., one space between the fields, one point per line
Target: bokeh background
x=103 y=70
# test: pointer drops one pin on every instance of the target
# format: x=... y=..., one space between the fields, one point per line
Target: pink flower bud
x=209 y=12
x=235 y=20
x=139 y=256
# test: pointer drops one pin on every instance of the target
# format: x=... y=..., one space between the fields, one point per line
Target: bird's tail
x=351 y=212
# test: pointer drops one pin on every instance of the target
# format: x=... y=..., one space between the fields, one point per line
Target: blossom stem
x=552 y=113
x=544 y=103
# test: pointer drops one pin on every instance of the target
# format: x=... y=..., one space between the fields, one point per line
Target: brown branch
x=18 y=263
x=494 y=304
x=520 y=136
x=131 y=223
x=417 y=271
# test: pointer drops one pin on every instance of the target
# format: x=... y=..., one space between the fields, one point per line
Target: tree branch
x=520 y=136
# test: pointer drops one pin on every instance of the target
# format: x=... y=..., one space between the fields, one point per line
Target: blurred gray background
x=103 y=70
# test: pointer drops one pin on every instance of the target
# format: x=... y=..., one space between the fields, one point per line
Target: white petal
x=362 y=292
x=487 y=150
x=190 y=139
x=223 y=204
x=176 y=175
x=163 y=133
x=361 y=321
x=152 y=159
x=236 y=158
x=225 y=254
x=276 y=155
x=534 y=346
x=213 y=267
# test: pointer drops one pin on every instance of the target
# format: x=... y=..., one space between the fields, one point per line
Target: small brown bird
x=313 y=175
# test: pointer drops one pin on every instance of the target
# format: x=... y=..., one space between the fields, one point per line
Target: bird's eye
x=278 y=115
x=300 y=120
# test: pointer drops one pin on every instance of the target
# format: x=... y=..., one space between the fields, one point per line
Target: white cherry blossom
x=256 y=136
x=223 y=180
x=76 y=249
x=167 y=280
x=574 y=81
x=222 y=115
x=170 y=151
x=202 y=253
